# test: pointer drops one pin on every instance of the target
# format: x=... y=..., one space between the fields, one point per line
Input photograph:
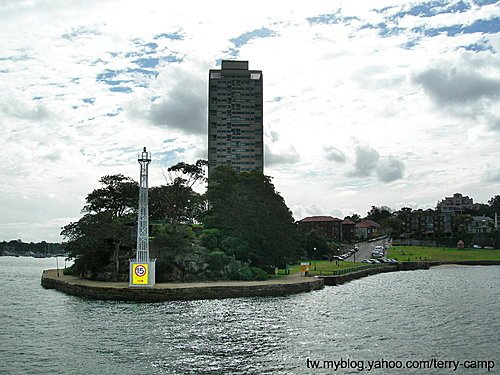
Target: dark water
x=447 y=313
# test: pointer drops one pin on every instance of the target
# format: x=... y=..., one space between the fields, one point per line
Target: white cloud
x=87 y=84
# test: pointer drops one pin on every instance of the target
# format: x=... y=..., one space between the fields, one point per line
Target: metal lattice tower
x=144 y=159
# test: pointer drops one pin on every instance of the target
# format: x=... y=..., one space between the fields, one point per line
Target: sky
x=380 y=102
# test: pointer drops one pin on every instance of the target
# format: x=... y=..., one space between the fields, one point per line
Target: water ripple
x=448 y=313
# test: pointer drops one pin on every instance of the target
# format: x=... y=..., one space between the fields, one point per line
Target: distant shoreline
x=178 y=291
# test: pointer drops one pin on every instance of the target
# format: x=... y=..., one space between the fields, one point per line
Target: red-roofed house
x=365 y=229
x=348 y=231
x=329 y=226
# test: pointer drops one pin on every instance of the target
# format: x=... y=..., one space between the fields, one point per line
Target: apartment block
x=235 y=117
x=456 y=204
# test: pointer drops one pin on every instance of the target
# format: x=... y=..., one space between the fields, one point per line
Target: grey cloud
x=448 y=86
x=334 y=154
x=289 y=156
x=36 y=112
x=184 y=108
x=390 y=169
x=82 y=32
x=491 y=175
x=369 y=162
x=366 y=161
x=52 y=155
x=492 y=121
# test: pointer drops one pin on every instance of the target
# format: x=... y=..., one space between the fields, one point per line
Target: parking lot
x=365 y=250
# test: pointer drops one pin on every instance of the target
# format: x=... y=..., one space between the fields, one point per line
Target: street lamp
x=314 y=256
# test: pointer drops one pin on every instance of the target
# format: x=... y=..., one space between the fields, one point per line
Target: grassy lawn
x=322 y=267
x=417 y=253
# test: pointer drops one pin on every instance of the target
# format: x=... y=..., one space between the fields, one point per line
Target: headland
x=121 y=291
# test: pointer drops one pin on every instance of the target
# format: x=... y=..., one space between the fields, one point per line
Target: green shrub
x=211 y=239
x=237 y=270
x=217 y=261
x=259 y=274
x=68 y=271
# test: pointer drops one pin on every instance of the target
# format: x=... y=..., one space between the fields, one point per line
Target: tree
x=354 y=218
x=379 y=213
x=461 y=223
x=106 y=226
x=316 y=240
x=246 y=206
x=177 y=201
x=494 y=204
x=88 y=243
x=118 y=196
x=391 y=226
x=191 y=174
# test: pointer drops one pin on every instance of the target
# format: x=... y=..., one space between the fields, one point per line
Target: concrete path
x=291 y=279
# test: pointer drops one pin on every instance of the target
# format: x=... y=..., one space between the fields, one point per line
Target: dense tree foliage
x=317 y=246
x=246 y=206
x=355 y=218
x=177 y=201
x=118 y=196
x=106 y=230
x=379 y=213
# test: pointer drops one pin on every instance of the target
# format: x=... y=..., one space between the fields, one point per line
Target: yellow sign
x=304 y=267
x=140 y=274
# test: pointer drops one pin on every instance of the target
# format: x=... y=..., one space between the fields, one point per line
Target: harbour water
x=445 y=313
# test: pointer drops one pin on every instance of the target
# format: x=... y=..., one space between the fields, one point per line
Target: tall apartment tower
x=235 y=124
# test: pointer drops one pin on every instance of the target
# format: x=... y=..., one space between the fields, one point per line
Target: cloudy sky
x=380 y=102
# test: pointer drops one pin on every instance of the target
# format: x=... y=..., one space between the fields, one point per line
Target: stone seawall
x=341 y=279
x=467 y=263
x=405 y=266
x=179 y=291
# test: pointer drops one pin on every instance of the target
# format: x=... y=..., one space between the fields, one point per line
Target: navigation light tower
x=142 y=269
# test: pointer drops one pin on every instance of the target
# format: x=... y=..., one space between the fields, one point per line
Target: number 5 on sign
x=140 y=274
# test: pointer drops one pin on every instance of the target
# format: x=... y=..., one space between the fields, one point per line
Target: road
x=365 y=250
